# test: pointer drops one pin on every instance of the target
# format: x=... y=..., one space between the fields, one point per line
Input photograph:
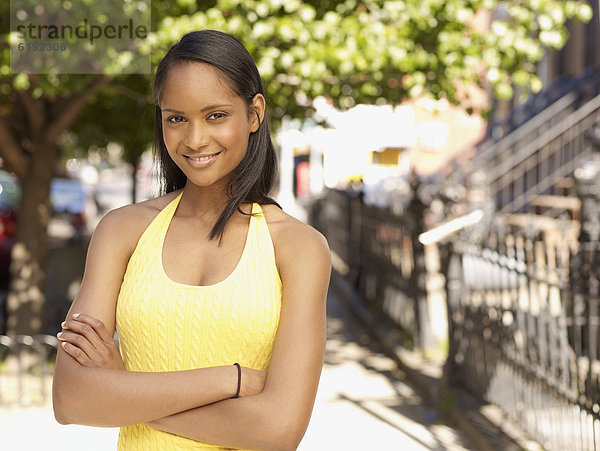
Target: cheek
x=171 y=138
x=235 y=137
x=227 y=136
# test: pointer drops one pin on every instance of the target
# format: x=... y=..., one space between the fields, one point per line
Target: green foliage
x=369 y=51
x=384 y=51
x=122 y=112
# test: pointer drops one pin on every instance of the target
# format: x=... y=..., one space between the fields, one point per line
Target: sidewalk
x=485 y=425
x=364 y=402
x=34 y=428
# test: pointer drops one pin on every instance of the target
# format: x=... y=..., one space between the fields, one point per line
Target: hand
x=253 y=381
x=87 y=340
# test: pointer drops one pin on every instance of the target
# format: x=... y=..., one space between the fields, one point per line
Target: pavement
x=485 y=425
x=364 y=402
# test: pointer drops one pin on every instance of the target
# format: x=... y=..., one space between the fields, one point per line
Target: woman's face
x=205 y=124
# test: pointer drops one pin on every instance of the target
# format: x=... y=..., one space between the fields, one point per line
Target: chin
x=206 y=182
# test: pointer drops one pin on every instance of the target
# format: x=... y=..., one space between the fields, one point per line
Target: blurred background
x=449 y=152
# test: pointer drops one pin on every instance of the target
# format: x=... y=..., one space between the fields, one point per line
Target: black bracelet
x=237 y=392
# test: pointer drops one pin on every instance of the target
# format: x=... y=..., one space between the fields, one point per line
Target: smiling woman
x=217 y=295
x=206 y=129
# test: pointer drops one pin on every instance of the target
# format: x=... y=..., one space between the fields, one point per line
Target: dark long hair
x=253 y=178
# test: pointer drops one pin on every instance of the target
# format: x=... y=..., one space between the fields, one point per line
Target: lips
x=201 y=161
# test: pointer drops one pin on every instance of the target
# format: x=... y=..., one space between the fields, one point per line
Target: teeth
x=199 y=159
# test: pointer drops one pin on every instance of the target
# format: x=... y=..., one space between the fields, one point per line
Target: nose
x=197 y=136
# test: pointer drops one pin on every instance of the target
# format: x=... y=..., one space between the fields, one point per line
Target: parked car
x=71 y=209
x=10 y=192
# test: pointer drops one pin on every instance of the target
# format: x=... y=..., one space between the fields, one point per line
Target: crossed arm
x=91 y=386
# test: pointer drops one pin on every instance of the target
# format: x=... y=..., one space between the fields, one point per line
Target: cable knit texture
x=168 y=326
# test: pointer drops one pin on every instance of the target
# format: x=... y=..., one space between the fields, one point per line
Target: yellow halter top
x=167 y=326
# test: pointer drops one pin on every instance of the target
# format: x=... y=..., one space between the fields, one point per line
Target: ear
x=257 y=112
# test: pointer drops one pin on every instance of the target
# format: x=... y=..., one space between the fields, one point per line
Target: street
x=363 y=403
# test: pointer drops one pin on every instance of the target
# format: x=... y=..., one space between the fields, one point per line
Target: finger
x=96 y=324
x=85 y=330
x=77 y=354
x=78 y=341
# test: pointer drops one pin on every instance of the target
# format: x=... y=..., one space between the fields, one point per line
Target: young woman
x=217 y=295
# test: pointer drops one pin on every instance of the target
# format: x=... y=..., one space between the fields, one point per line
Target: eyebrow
x=206 y=108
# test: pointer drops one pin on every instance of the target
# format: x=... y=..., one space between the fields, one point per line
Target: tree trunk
x=25 y=306
x=31 y=153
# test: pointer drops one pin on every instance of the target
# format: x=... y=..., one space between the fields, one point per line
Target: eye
x=217 y=116
x=175 y=119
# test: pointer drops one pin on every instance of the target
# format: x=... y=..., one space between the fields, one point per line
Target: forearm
x=256 y=422
x=106 y=397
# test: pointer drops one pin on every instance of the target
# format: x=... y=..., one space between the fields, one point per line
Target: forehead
x=197 y=83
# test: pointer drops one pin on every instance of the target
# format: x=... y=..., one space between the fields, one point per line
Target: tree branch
x=141 y=99
x=11 y=151
x=73 y=108
x=33 y=111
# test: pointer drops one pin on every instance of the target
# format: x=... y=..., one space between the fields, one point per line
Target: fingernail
x=76 y=315
x=63 y=324
x=59 y=334
x=63 y=344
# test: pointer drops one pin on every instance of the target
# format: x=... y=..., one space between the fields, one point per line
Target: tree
x=36 y=108
x=351 y=51
x=384 y=51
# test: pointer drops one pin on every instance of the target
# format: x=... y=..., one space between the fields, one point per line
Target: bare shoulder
x=123 y=226
x=294 y=240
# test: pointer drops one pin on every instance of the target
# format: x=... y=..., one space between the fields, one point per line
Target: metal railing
x=26 y=368
x=522 y=309
x=544 y=149
x=540 y=101
x=378 y=252
x=525 y=335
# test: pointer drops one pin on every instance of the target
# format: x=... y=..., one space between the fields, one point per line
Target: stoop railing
x=548 y=147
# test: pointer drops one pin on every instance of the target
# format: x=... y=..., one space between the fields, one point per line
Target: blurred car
x=72 y=208
x=10 y=193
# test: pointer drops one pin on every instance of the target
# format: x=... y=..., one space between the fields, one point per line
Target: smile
x=204 y=157
x=203 y=160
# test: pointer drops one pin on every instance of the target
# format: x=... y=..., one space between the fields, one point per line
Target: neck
x=206 y=203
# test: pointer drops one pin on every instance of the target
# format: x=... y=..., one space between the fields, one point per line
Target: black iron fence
x=525 y=335
x=521 y=306
x=26 y=369
x=378 y=252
